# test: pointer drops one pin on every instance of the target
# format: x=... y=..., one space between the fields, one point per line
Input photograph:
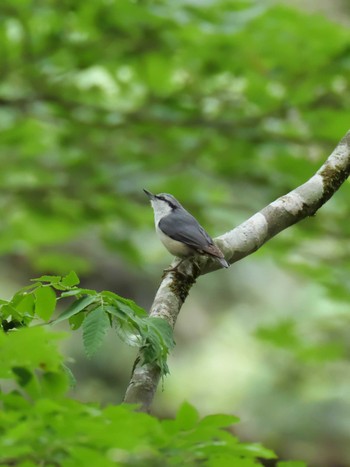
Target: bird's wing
x=185 y=229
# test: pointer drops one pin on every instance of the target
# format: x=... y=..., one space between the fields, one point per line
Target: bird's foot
x=174 y=268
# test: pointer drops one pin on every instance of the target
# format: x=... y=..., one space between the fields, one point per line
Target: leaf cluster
x=68 y=433
x=39 y=425
x=94 y=311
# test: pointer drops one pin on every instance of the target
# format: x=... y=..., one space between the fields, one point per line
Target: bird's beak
x=149 y=194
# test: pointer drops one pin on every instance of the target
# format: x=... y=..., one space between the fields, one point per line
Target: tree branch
x=236 y=244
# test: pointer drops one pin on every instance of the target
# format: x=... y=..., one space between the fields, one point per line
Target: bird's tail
x=214 y=250
x=223 y=262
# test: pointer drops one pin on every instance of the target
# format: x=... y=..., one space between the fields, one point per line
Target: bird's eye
x=166 y=200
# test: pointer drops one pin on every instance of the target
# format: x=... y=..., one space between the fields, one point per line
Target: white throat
x=161 y=209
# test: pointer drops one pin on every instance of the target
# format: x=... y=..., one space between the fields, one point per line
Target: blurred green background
x=227 y=105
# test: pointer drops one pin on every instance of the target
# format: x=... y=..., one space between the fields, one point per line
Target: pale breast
x=173 y=246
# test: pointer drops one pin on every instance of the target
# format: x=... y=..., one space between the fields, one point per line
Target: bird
x=180 y=232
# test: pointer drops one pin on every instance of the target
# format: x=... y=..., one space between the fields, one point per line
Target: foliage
x=227 y=104
x=94 y=311
x=39 y=425
x=72 y=433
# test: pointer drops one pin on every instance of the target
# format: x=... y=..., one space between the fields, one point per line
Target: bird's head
x=163 y=203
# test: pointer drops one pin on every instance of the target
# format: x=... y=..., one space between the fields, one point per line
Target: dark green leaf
x=75 y=308
x=23 y=375
x=76 y=321
x=94 y=329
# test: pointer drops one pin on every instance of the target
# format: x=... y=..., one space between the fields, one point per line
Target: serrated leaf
x=45 y=302
x=70 y=375
x=94 y=329
x=126 y=305
x=158 y=341
x=70 y=279
x=115 y=311
x=128 y=327
x=164 y=331
x=129 y=332
x=75 y=308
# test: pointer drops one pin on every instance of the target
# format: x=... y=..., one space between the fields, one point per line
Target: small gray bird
x=179 y=231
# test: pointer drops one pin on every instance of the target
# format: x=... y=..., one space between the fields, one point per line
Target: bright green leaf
x=219 y=420
x=27 y=304
x=50 y=279
x=70 y=279
x=45 y=302
x=187 y=416
x=78 y=291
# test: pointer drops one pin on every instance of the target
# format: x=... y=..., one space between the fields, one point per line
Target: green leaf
x=164 y=331
x=27 y=464
x=124 y=304
x=50 y=279
x=187 y=417
x=257 y=450
x=128 y=330
x=94 y=329
x=45 y=302
x=27 y=304
x=219 y=420
x=30 y=348
x=54 y=383
x=70 y=279
x=129 y=305
x=23 y=375
x=78 y=291
x=70 y=375
x=76 y=321
x=158 y=341
x=282 y=334
x=75 y=308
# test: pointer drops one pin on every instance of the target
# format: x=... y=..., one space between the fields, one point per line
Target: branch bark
x=236 y=244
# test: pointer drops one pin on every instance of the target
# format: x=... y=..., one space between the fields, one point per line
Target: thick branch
x=236 y=244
